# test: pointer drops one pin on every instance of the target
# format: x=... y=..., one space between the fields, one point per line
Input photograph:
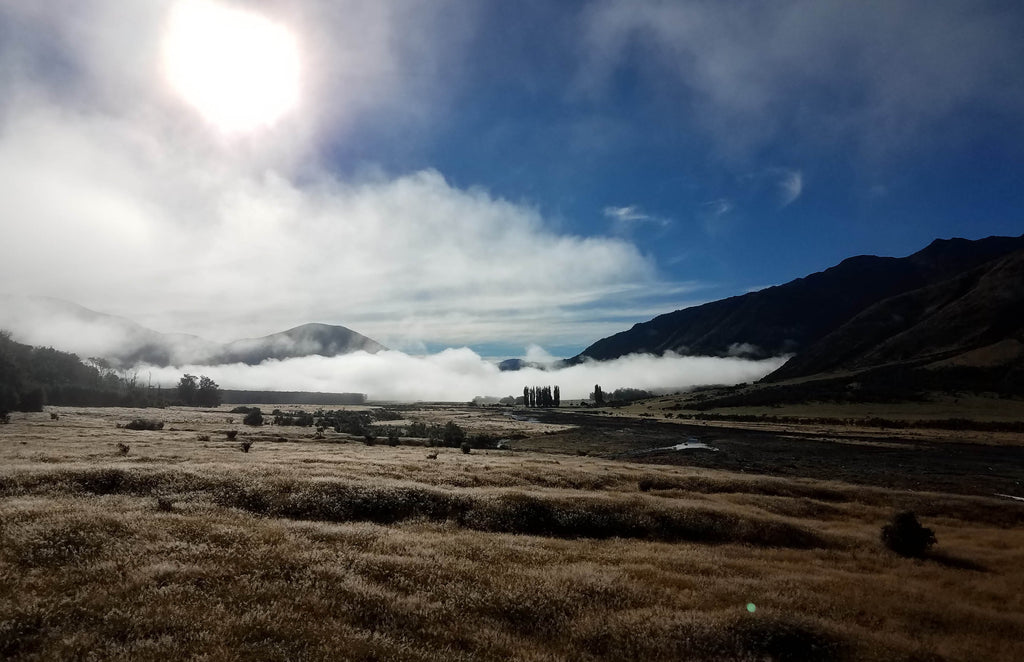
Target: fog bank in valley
x=461 y=374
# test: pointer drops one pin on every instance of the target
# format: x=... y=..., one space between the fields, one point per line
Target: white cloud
x=460 y=375
x=118 y=198
x=791 y=186
x=628 y=213
x=624 y=219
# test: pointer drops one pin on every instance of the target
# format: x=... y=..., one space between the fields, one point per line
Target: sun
x=237 y=68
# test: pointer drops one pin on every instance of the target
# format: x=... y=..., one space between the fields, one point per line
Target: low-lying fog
x=461 y=374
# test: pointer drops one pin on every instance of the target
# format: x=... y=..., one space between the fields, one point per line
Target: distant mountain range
x=954 y=303
x=44 y=321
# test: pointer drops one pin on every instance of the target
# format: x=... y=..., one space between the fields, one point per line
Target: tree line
x=33 y=377
x=541 y=396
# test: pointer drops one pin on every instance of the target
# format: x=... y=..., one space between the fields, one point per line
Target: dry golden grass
x=323 y=550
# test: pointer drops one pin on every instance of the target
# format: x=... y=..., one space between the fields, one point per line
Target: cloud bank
x=461 y=374
x=118 y=197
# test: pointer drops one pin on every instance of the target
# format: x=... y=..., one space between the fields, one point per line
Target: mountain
x=305 y=340
x=972 y=320
x=48 y=322
x=792 y=317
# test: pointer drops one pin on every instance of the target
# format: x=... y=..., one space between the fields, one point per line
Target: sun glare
x=237 y=68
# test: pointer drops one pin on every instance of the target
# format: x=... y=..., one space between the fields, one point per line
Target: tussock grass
x=316 y=551
x=501 y=511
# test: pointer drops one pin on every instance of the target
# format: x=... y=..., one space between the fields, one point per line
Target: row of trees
x=541 y=396
x=618 y=395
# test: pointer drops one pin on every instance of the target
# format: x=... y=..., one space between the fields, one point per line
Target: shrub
x=245 y=446
x=243 y=410
x=393 y=439
x=5 y=418
x=54 y=416
x=453 y=434
x=466 y=447
x=123 y=448
x=144 y=424
x=369 y=439
x=905 y=535
x=254 y=417
x=231 y=434
x=164 y=504
x=203 y=437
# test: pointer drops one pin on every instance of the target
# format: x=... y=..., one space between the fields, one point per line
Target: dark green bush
x=254 y=417
x=144 y=424
x=453 y=434
x=905 y=535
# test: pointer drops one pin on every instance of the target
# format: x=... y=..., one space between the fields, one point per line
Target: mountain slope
x=973 y=319
x=789 y=318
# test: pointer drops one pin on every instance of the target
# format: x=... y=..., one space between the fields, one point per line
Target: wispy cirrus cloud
x=877 y=75
x=630 y=216
x=791 y=185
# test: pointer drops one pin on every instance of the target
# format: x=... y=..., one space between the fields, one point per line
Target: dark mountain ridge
x=790 y=318
x=974 y=319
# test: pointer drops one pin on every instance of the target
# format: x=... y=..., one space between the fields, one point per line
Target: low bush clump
x=245 y=446
x=144 y=424
x=123 y=448
x=231 y=434
x=254 y=417
x=466 y=447
x=905 y=535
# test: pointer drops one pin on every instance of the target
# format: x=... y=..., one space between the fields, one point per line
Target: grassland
x=186 y=547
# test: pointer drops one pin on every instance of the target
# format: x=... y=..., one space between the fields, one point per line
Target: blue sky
x=496 y=174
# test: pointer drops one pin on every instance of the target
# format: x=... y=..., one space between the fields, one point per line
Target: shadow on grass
x=955 y=562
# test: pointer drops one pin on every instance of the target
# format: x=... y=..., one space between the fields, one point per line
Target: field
x=586 y=540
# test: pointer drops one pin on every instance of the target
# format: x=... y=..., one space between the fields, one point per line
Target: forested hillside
x=31 y=377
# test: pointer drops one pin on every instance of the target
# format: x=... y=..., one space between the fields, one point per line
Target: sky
x=489 y=175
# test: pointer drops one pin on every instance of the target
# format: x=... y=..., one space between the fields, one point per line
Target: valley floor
x=583 y=542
